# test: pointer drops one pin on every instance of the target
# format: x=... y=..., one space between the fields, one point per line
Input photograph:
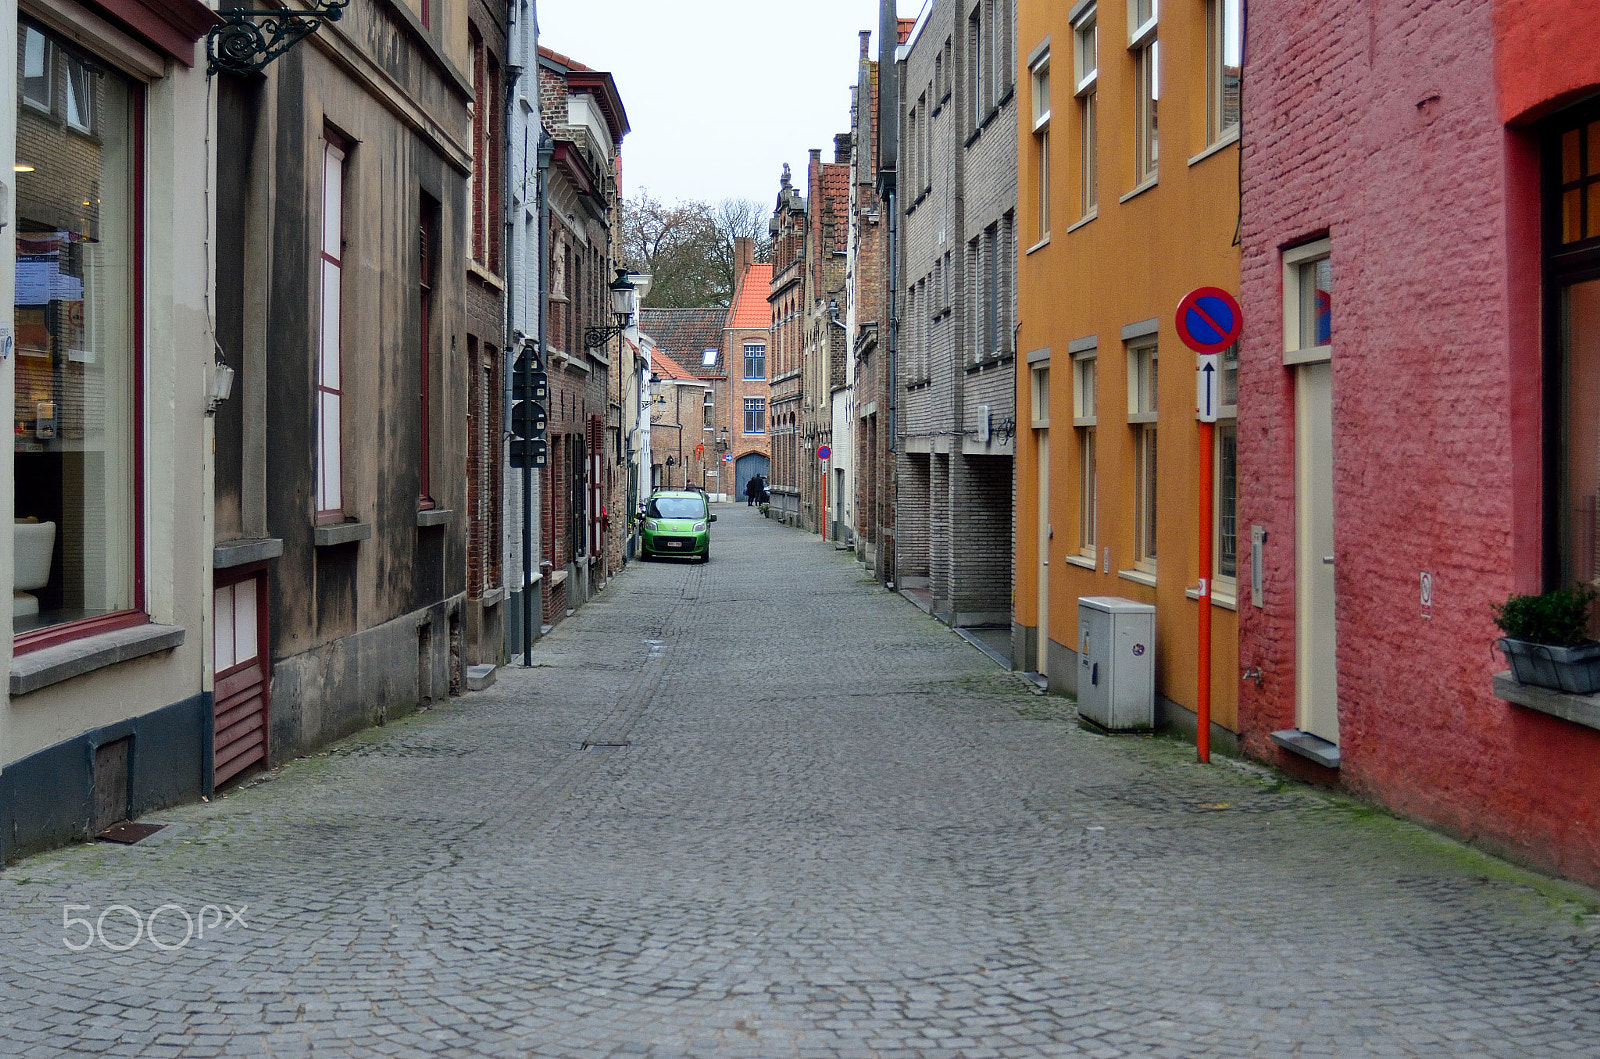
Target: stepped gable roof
x=752 y=309
x=685 y=335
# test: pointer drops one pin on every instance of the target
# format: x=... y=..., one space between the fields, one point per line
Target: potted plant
x=1547 y=640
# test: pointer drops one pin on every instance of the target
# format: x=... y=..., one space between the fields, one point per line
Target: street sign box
x=529 y=452
x=528 y=419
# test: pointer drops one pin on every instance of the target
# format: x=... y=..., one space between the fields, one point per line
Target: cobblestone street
x=763 y=808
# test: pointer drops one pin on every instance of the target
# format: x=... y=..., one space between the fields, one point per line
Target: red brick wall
x=1380 y=129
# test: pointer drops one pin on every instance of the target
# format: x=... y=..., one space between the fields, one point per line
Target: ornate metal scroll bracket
x=248 y=40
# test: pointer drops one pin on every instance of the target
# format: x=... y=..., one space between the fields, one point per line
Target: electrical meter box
x=1117 y=663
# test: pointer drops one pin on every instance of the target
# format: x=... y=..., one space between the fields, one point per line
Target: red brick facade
x=1388 y=137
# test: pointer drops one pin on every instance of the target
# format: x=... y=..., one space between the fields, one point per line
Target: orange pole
x=1203 y=677
x=823 y=474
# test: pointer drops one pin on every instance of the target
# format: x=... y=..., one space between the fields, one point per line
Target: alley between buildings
x=762 y=807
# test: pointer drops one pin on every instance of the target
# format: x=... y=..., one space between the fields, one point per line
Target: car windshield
x=677 y=507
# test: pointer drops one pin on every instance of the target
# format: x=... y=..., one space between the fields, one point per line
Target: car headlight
x=650 y=524
x=699 y=527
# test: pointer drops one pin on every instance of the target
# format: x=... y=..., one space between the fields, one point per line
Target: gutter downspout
x=508 y=265
x=546 y=149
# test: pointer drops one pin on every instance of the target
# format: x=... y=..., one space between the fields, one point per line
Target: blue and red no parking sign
x=1209 y=320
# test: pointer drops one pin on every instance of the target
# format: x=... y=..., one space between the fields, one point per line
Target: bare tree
x=688 y=246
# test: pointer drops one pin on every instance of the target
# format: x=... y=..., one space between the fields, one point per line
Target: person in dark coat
x=752 y=489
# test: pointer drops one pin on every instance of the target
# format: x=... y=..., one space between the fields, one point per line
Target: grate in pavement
x=126 y=834
x=586 y=745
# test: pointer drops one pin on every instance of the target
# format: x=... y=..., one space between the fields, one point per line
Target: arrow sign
x=1207 y=395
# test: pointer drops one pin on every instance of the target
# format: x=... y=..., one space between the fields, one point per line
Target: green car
x=677 y=523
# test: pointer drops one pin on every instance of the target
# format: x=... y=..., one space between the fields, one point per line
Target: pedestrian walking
x=752 y=489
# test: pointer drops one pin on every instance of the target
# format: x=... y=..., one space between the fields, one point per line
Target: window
x=427 y=238
x=1086 y=79
x=80 y=94
x=708 y=358
x=1145 y=49
x=1142 y=365
x=1083 y=425
x=755 y=415
x=37 y=82
x=1572 y=478
x=711 y=408
x=330 y=392
x=483 y=191
x=977 y=69
x=78 y=369
x=1041 y=138
x=755 y=360
x=1307 y=303
x=1225 y=47
x=1039 y=393
x=1225 y=560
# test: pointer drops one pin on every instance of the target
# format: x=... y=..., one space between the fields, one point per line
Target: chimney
x=841 y=147
x=888 y=95
x=866 y=37
x=744 y=255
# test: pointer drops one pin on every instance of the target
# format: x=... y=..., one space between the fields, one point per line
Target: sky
x=719 y=93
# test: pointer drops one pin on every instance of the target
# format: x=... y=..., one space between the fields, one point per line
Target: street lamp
x=621 y=309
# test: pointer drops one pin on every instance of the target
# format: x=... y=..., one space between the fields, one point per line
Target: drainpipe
x=508 y=257
x=546 y=149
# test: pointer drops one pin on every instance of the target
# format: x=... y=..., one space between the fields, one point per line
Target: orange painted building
x=1129 y=198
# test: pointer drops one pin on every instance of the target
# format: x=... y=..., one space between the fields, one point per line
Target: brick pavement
x=836 y=830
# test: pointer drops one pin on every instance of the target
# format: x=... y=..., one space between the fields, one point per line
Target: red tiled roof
x=752 y=310
x=685 y=334
x=557 y=57
x=906 y=26
x=836 y=201
x=667 y=368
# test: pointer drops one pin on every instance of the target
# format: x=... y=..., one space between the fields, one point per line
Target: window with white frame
x=1083 y=424
x=1142 y=388
x=330 y=384
x=1225 y=557
x=1041 y=139
x=711 y=408
x=1225 y=52
x=755 y=360
x=755 y=415
x=1145 y=51
x=38 y=69
x=1308 y=302
x=1086 y=80
x=1039 y=395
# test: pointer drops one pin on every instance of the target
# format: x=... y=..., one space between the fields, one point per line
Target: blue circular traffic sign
x=1209 y=320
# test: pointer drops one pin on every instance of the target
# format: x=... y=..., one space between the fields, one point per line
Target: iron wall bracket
x=248 y=40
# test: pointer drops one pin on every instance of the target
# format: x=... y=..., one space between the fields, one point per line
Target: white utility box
x=1117 y=662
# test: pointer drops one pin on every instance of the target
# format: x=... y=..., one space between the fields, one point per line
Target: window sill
x=1225 y=600
x=1138 y=577
x=481 y=273
x=1040 y=245
x=434 y=516
x=1228 y=140
x=558 y=578
x=1140 y=190
x=229 y=554
x=52 y=665
x=341 y=533
x=1308 y=746
x=1079 y=560
x=1081 y=221
x=1578 y=709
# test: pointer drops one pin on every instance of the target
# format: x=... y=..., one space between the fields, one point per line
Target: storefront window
x=76 y=436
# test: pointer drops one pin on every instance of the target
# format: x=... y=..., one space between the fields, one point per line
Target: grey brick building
x=956 y=288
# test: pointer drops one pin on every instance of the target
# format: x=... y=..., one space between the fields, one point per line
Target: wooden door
x=239 y=657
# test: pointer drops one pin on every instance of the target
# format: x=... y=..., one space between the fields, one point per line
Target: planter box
x=1574 y=670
